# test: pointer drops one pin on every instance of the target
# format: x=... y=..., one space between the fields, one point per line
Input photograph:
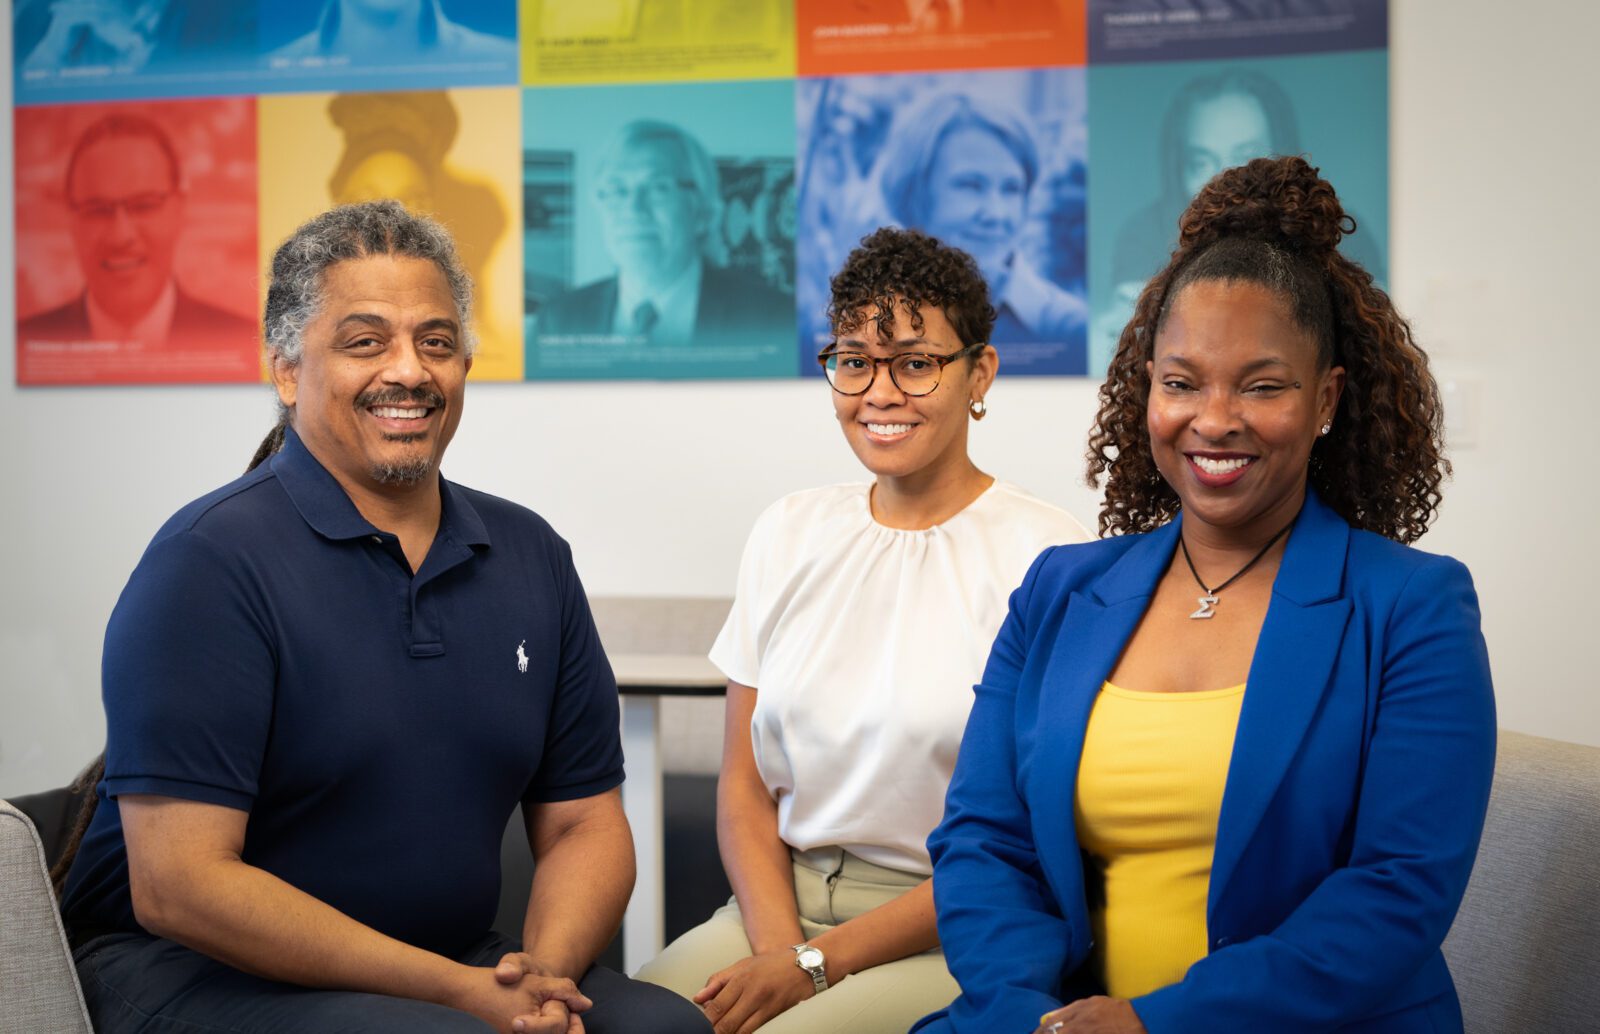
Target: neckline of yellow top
x=1156 y=694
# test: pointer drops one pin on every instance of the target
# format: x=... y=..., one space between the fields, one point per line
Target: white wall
x=656 y=484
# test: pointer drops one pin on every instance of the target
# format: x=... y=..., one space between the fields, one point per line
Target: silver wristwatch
x=810 y=959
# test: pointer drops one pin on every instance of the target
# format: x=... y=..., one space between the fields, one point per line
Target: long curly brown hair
x=1381 y=466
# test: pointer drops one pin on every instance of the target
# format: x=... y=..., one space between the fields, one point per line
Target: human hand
x=519 y=1002
x=518 y=967
x=1097 y=1015
x=747 y=994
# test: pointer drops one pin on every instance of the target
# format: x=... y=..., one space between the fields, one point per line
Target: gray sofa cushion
x=1525 y=948
x=41 y=986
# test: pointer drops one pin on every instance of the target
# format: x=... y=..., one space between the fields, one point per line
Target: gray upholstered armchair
x=38 y=985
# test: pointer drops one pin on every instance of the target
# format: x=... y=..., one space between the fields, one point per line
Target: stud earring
x=1327 y=427
x=979 y=408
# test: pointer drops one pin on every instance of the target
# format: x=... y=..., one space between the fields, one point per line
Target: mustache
x=397 y=396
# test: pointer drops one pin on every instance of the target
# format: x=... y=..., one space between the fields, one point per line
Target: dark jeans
x=138 y=984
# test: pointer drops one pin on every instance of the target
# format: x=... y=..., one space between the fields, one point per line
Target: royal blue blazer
x=1354 y=799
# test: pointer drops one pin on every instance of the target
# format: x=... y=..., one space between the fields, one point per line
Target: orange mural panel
x=843 y=37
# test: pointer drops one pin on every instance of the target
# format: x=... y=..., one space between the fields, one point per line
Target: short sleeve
x=583 y=742
x=188 y=676
x=737 y=651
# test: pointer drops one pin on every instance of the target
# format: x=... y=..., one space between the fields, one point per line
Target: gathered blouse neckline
x=866 y=510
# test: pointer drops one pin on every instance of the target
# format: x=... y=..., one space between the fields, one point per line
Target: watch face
x=811 y=958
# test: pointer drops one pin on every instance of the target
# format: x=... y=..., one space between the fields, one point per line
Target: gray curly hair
x=294 y=295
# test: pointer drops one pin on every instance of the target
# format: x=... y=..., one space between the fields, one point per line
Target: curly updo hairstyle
x=918 y=269
x=1277 y=223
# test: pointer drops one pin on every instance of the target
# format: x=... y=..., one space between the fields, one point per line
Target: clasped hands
x=520 y=996
x=1097 y=1015
x=747 y=994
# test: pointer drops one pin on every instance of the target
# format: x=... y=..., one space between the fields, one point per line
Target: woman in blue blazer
x=1270 y=436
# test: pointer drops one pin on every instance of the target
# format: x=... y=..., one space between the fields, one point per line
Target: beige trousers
x=831 y=886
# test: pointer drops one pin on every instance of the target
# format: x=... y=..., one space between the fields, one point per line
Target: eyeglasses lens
x=852 y=372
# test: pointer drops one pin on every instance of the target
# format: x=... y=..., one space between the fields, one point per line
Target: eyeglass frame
x=625 y=193
x=104 y=210
x=940 y=360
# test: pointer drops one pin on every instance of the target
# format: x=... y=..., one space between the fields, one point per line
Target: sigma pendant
x=1207 y=603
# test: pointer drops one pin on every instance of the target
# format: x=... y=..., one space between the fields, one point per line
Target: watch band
x=809 y=958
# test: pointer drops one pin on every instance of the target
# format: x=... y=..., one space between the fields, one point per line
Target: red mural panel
x=136 y=243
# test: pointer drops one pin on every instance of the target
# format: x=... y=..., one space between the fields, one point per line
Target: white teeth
x=887 y=429
x=397 y=413
x=1211 y=466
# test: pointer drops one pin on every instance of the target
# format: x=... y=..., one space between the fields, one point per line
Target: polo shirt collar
x=326 y=507
x=460 y=518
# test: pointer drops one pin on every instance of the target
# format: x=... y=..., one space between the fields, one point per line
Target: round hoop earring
x=979 y=408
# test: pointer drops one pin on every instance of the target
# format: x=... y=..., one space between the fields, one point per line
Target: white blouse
x=863 y=643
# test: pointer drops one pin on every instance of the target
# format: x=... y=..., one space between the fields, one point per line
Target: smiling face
x=977 y=197
x=1223 y=132
x=896 y=435
x=651 y=216
x=377 y=392
x=1236 y=402
x=126 y=217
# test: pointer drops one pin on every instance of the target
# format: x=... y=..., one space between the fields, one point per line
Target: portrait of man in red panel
x=156 y=288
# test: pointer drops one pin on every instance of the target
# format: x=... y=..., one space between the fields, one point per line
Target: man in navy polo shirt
x=329 y=684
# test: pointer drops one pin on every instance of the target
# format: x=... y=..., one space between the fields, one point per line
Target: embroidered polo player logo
x=522 y=658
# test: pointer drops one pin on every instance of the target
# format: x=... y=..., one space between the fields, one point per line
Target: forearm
x=255 y=922
x=758 y=865
x=893 y=930
x=581 y=884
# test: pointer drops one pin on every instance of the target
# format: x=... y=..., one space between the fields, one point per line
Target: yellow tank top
x=1149 y=793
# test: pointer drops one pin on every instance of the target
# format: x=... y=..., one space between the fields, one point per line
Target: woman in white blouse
x=863 y=616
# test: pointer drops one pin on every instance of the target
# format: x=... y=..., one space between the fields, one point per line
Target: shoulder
x=505 y=519
x=736 y=292
x=1379 y=570
x=460 y=41
x=581 y=308
x=246 y=517
x=1049 y=309
x=1143 y=242
x=1013 y=507
x=192 y=314
x=308 y=45
x=71 y=320
x=811 y=507
x=726 y=278
x=1073 y=567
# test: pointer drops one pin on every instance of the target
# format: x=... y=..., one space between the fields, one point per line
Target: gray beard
x=407 y=473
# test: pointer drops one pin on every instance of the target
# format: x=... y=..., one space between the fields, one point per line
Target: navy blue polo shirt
x=273 y=652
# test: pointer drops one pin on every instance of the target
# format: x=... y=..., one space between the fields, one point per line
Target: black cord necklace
x=1208 y=602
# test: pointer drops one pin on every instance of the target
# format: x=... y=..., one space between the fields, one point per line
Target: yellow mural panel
x=441 y=152
x=617 y=41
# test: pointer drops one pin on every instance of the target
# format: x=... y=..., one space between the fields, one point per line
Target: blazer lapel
x=1291 y=670
x=1098 y=623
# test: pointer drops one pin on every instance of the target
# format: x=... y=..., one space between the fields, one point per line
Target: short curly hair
x=1277 y=223
x=918 y=270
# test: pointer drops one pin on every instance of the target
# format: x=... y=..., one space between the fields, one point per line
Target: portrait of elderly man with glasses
x=124 y=191
x=660 y=222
